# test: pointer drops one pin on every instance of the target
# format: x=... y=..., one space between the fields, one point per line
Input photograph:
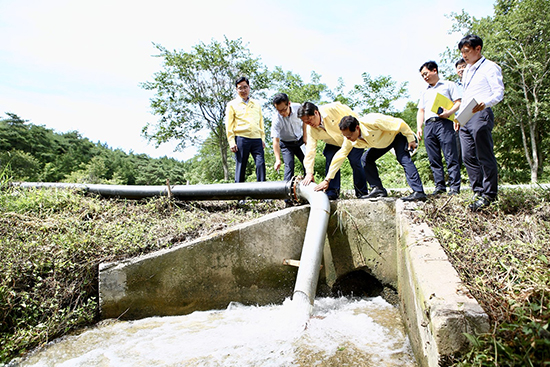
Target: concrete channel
x=382 y=241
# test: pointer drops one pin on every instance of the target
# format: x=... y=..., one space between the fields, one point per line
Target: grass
x=51 y=242
x=502 y=254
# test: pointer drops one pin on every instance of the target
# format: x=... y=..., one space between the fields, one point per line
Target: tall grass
x=51 y=242
x=503 y=256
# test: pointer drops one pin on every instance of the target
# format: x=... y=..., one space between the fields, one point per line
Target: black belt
x=435 y=119
x=295 y=142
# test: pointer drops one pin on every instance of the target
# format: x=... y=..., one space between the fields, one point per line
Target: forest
x=194 y=86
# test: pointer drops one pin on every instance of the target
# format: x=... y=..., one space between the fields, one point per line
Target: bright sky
x=77 y=65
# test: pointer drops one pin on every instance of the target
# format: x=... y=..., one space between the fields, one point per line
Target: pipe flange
x=294 y=183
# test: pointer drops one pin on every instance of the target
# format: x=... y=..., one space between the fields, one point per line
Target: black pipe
x=229 y=191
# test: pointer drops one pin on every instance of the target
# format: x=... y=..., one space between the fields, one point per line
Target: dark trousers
x=245 y=147
x=400 y=145
x=291 y=149
x=440 y=136
x=476 y=140
x=359 y=178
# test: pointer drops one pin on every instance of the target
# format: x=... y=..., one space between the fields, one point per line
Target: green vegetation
x=521 y=119
x=503 y=257
x=30 y=152
x=51 y=242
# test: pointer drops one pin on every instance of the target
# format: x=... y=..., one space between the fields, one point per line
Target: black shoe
x=453 y=192
x=480 y=203
x=438 y=191
x=415 y=196
x=376 y=193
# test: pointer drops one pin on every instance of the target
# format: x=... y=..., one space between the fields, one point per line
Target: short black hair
x=280 y=98
x=460 y=62
x=470 y=40
x=348 y=123
x=430 y=65
x=307 y=109
x=240 y=80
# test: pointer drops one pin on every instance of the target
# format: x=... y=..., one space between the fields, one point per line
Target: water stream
x=341 y=332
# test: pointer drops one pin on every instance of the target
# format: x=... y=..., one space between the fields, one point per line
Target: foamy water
x=341 y=332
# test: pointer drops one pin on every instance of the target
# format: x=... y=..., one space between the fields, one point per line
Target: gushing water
x=341 y=332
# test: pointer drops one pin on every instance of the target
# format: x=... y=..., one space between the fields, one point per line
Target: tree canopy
x=517 y=38
x=30 y=152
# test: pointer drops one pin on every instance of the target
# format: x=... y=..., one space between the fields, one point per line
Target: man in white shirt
x=439 y=130
x=288 y=133
x=482 y=80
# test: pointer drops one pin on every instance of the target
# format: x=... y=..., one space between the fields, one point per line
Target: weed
x=52 y=241
x=502 y=256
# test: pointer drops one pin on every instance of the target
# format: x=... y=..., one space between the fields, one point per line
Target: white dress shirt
x=287 y=128
x=483 y=81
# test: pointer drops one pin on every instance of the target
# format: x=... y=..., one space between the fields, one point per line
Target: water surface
x=342 y=332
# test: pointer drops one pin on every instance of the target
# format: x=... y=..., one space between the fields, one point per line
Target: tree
x=518 y=39
x=295 y=88
x=340 y=95
x=193 y=89
x=379 y=94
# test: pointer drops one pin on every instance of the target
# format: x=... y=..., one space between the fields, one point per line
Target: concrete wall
x=244 y=264
x=361 y=234
x=437 y=308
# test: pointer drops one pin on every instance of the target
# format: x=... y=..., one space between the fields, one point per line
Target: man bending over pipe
x=322 y=124
x=380 y=133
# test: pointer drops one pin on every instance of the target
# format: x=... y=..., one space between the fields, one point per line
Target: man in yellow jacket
x=244 y=125
x=379 y=133
x=322 y=124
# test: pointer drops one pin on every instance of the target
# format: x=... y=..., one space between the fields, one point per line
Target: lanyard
x=475 y=71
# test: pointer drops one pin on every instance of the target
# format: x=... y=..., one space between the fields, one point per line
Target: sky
x=78 y=65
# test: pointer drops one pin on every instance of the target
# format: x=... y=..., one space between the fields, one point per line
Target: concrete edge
x=437 y=308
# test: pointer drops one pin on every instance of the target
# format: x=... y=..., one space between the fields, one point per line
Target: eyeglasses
x=240 y=88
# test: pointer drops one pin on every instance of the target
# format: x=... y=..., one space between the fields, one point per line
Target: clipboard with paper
x=466 y=112
x=441 y=101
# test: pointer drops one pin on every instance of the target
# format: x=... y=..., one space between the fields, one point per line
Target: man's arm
x=230 y=124
x=262 y=127
x=494 y=78
x=419 y=123
x=277 y=153
x=336 y=164
x=309 y=160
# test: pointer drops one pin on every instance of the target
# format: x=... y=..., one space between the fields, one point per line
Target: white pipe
x=312 y=250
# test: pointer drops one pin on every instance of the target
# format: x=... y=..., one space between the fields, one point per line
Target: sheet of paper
x=466 y=112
